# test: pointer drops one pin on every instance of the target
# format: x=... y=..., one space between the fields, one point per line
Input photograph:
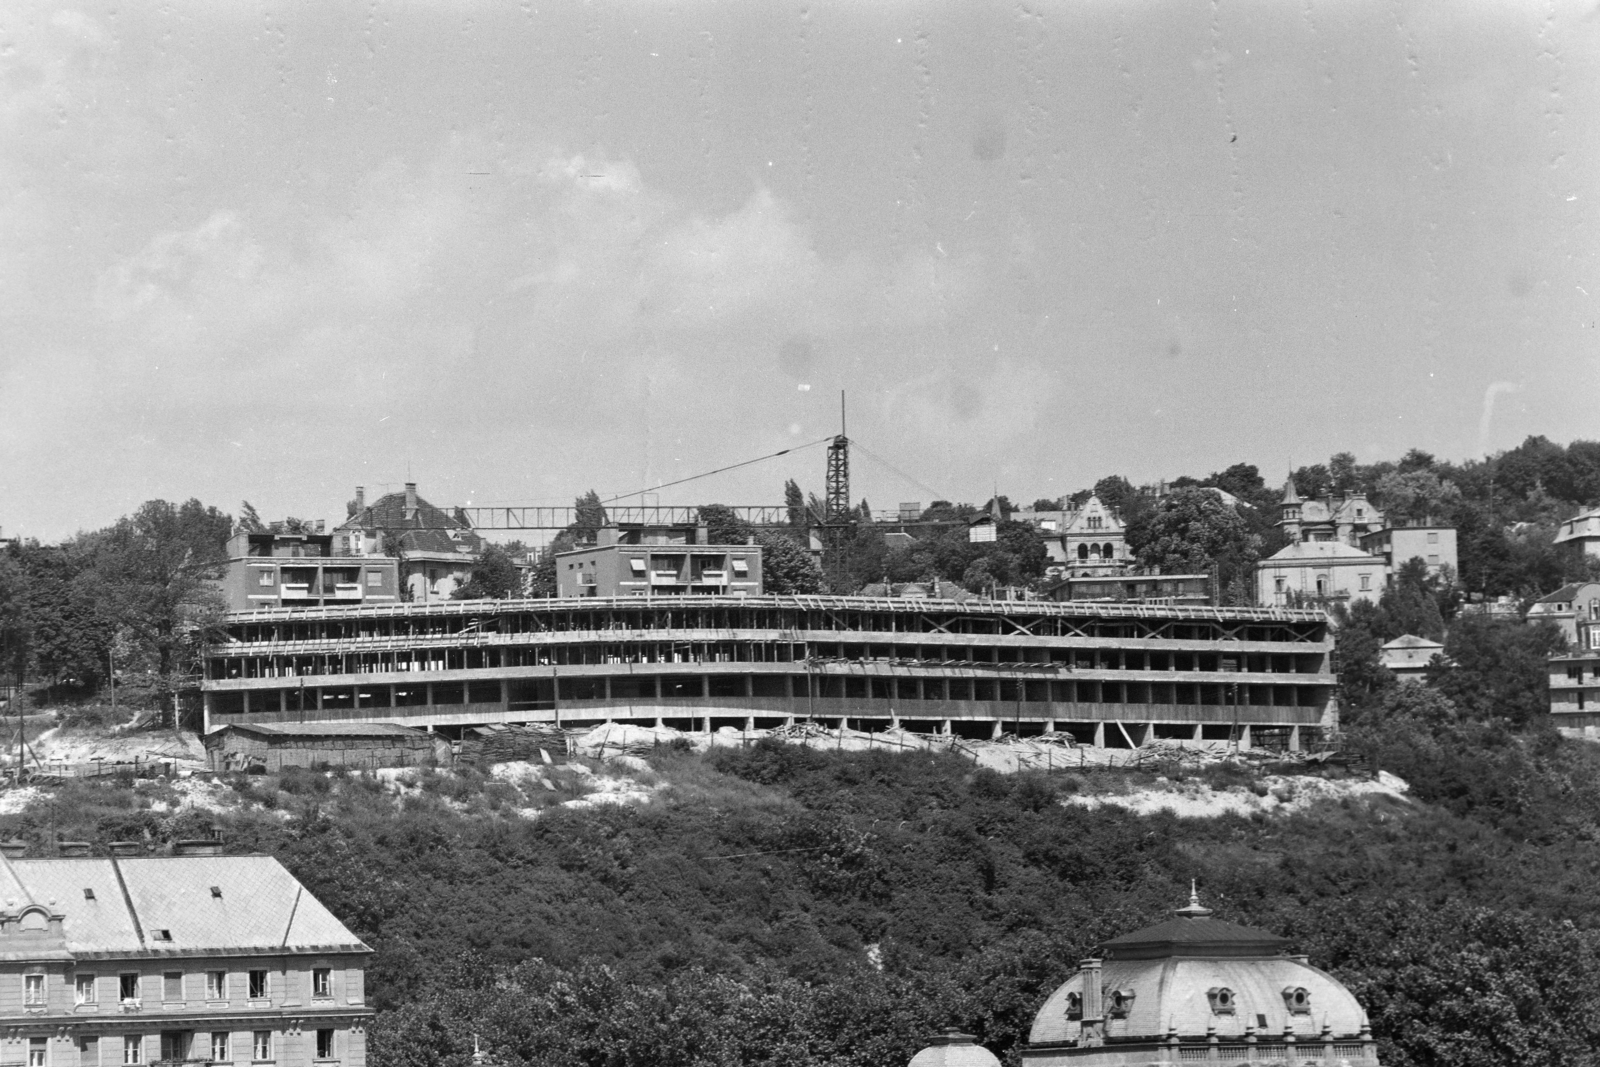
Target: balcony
x=346 y=591
x=713 y=578
x=295 y=591
x=665 y=578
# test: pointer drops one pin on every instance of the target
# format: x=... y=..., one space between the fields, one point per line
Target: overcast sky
x=513 y=251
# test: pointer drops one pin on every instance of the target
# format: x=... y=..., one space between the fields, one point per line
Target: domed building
x=1195 y=989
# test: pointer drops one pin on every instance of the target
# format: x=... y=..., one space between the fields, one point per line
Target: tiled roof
x=427 y=529
x=1311 y=550
x=1412 y=641
x=1563 y=595
x=259 y=906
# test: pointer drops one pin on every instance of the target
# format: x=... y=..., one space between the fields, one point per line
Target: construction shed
x=271 y=747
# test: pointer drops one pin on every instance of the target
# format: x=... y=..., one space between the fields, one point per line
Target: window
x=1297 y=1000
x=261 y=1047
x=84 y=989
x=133 y=1049
x=1366 y=581
x=1278 y=583
x=259 y=989
x=36 y=1051
x=324 y=1044
x=216 y=985
x=321 y=982
x=374 y=579
x=1433 y=561
x=636 y=565
x=172 y=985
x=1121 y=1003
x=1074 y=1005
x=1433 y=539
x=741 y=567
x=264 y=578
x=128 y=990
x=1322 y=586
x=219 y=1046
x=1221 y=1000
x=33 y=990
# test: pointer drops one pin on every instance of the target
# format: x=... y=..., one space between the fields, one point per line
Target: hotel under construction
x=1113 y=674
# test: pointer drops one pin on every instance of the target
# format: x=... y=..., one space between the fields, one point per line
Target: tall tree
x=1193 y=531
x=158 y=567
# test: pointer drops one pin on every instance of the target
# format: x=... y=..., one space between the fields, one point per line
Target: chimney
x=72 y=849
x=16 y=848
x=197 y=847
x=411 y=500
x=361 y=499
x=1093 y=1002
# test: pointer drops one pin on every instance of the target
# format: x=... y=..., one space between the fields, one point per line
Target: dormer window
x=1221 y=999
x=1121 y=1003
x=1297 y=1000
x=1074 y=1005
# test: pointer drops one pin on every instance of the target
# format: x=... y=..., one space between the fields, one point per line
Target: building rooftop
x=323 y=729
x=421 y=527
x=175 y=905
x=1193 y=932
x=1078 y=608
x=1412 y=641
x=1323 y=550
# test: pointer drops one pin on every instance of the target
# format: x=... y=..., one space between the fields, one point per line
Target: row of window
x=1222 y=1000
x=177 y=1047
x=86 y=987
x=267 y=578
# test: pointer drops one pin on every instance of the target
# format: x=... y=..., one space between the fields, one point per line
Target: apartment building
x=1398 y=545
x=189 y=958
x=663 y=561
x=274 y=569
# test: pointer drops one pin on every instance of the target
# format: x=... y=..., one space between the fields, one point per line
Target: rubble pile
x=510 y=744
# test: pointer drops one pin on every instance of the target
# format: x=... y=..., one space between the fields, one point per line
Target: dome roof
x=954 y=1049
x=1194 y=975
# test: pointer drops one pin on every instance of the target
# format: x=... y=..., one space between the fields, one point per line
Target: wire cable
x=719 y=470
x=870 y=454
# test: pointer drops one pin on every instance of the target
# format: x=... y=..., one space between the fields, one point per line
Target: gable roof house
x=436 y=549
x=183 y=958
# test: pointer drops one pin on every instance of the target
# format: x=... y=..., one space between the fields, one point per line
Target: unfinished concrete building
x=1110 y=674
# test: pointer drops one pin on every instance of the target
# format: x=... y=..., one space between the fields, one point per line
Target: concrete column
x=844 y=723
x=995 y=731
x=1049 y=726
x=1099 y=735
x=749 y=723
x=428 y=688
x=707 y=721
x=659 y=723
x=1294 y=738
x=944 y=727
x=1244 y=738
x=1199 y=732
x=205 y=709
x=788 y=720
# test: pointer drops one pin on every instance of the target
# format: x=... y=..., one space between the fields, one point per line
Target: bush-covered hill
x=779 y=904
